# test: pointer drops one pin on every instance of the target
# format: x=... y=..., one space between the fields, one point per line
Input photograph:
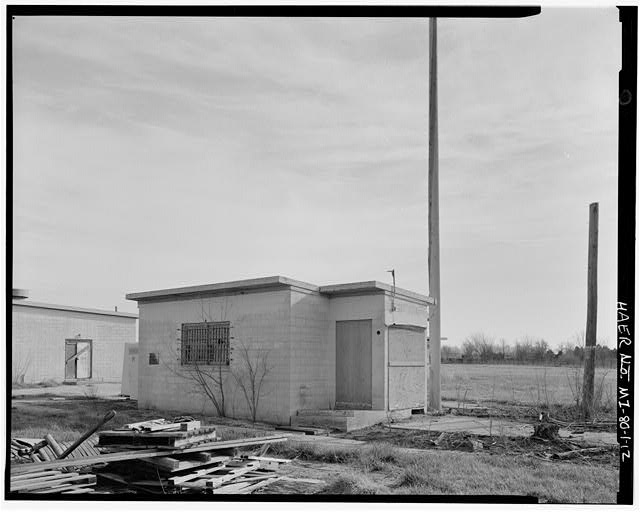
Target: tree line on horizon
x=481 y=348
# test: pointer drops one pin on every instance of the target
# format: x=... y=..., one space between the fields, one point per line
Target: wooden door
x=77 y=359
x=353 y=364
x=83 y=358
x=70 y=360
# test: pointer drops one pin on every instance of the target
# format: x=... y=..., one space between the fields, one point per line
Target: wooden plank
x=155 y=435
x=131 y=426
x=215 y=482
x=40 y=483
x=185 y=426
x=42 y=453
x=202 y=456
x=63 y=488
x=242 y=488
x=54 y=445
x=177 y=480
x=195 y=439
x=113 y=477
x=42 y=478
x=183 y=465
x=44 y=481
x=164 y=462
x=268 y=459
x=27 y=476
x=137 y=454
x=79 y=490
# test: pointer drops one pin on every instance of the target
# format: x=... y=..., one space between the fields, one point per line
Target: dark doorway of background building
x=353 y=364
x=77 y=359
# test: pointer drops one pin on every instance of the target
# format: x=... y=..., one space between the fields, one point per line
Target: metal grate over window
x=205 y=343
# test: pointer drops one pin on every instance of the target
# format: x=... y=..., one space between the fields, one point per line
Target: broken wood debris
x=185 y=457
x=218 y=475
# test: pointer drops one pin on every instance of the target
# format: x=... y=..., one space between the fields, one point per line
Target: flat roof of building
x=42 y=305
x=275 y=282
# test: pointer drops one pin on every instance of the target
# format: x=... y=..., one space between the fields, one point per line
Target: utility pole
x=592 y=313
x=432 y=377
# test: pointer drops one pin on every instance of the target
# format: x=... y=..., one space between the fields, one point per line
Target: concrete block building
x=351 y=351
x=51 y=342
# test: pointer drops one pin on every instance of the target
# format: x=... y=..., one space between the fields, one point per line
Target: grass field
x=380 y=468
x=524 y=385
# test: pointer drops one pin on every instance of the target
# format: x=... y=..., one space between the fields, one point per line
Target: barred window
x=205 y=343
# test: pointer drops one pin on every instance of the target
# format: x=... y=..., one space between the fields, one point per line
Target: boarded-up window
x=205 y=343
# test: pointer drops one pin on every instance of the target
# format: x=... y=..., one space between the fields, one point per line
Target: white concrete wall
x=311 y=352
x=38 y=336
x=259 y=320
x=361 y=307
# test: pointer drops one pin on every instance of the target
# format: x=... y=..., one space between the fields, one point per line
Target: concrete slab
x=327 y=441
x=496 y=427
x=470 y=424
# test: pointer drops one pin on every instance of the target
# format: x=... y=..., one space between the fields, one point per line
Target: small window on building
x=153 y=358
x=205 y=343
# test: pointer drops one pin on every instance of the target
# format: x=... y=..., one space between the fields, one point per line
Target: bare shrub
x=19 y=368
x=250 y=375
x=208 y=380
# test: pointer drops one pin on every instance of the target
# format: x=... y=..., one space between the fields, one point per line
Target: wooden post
x=592 y=313
x=432 y=380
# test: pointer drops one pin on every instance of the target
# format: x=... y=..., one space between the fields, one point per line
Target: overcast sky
x=154 y=153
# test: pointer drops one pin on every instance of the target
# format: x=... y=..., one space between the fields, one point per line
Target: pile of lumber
x=50 y=481
x=180 y=435
x=207 y=472
x=144 y=458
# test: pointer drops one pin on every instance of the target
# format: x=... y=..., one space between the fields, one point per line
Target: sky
x=154 y=153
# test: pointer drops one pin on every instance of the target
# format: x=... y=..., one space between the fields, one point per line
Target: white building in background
x=50 y=342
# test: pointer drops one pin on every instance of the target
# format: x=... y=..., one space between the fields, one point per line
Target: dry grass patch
x=352 y=482
x=380 y=468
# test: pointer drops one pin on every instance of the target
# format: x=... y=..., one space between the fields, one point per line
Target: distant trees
x=482 y=348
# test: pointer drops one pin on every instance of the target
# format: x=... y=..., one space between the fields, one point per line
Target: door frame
x=75 y=341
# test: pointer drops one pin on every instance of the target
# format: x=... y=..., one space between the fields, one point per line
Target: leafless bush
x=250 y=375
x=209 y=380
x=19 y=368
